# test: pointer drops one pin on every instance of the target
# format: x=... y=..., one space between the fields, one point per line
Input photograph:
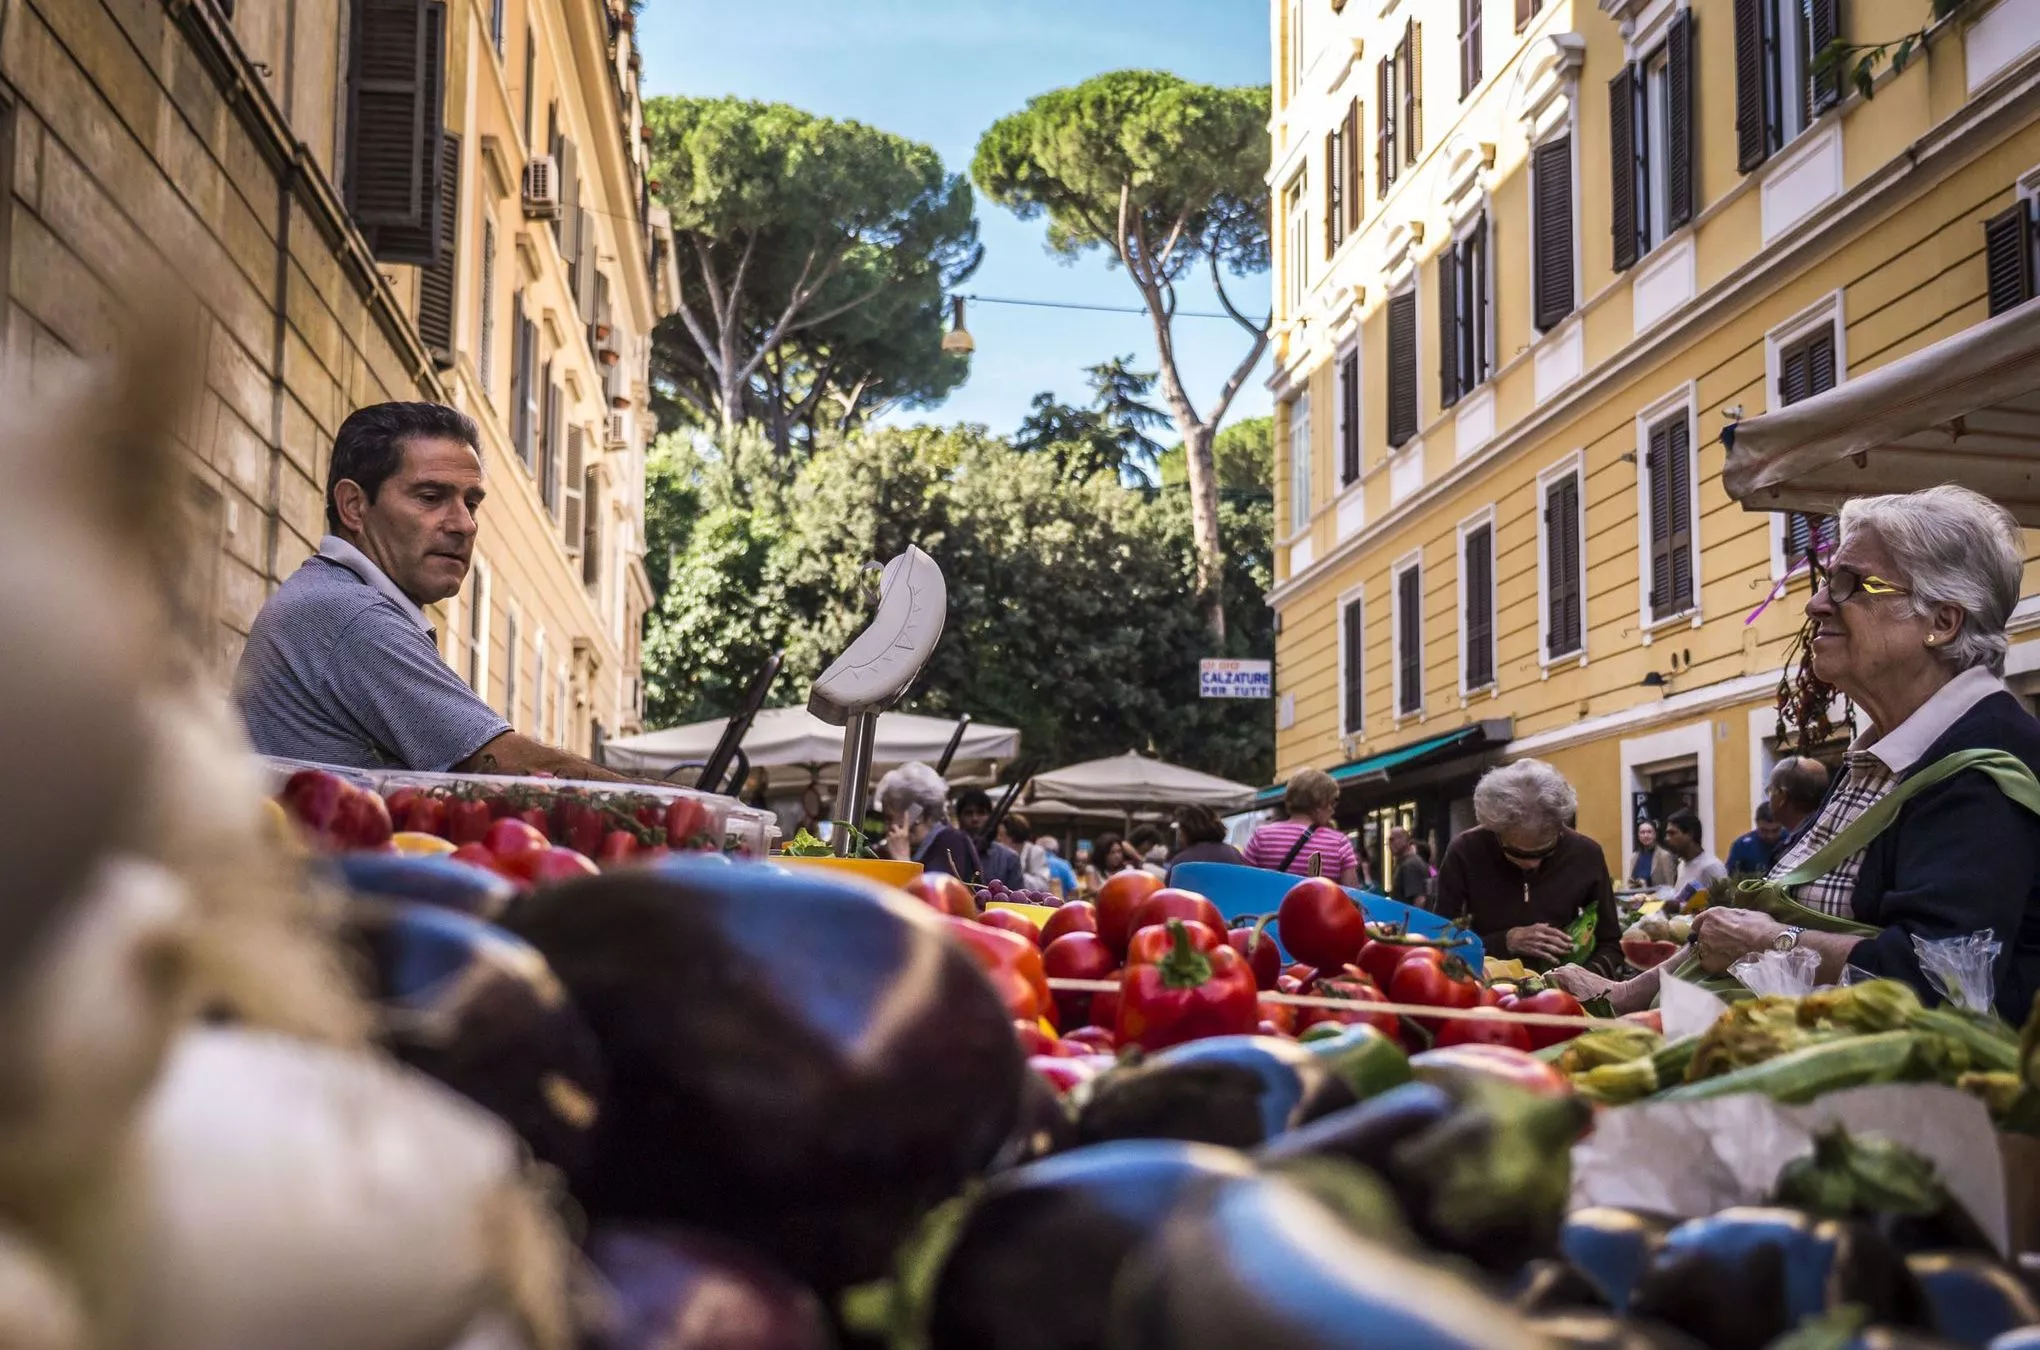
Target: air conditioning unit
x=541 y=188
x=616 y=386
x=619 y=429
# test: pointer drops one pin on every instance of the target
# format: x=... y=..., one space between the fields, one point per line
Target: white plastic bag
x=1960 y=968
x=1792 y=973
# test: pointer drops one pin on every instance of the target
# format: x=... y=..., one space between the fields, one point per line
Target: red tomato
x=1301 y=973
x=1078 y=916
x=1171 y=903
x=420 y=813
x=361 y=821
x=1321 y=924
x=1259 y=951
x=501 y=807
x=1488 y=1028
x=1077 y=956
x=618 y=846
x=313 y=796
x=1279 y=1019
x=538 y=818
x=1010 y=962
x=1653 y=1019
x=1151 y=944
x=1012 y=923
x=467 y=820
x=652 y=853
x=943 y=893
x=1091 y=1038
x=1118 y=898
x=474 y=855
x=1354 y=986
x=577 y=823
x=689 y=826
x=1105 y=1007
x=1436 y=984
x=1035 y=1041
x=1495 y=1061
x=516 y=845
x=559 y=864
x=1555 y=1002
x=1379 y=958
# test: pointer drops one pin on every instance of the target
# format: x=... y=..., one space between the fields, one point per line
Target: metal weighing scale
x=876 y=671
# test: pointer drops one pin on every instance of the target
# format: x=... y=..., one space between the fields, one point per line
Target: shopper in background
x=1653 y=864
x=1698 y=869
x=914 y=799
x=1752 y=854
x=1530 y=886
x=1110 y=855
x=1289 y=845
x=1150 y=854
x=1061 y=875
x=1200 y=837
x=1412 y=875
x=1796 y=789
x=1000 y=863
x=1431 y=868
x=1015 y=833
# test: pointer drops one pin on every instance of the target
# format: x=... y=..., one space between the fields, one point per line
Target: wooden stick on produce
x=1369 y=1005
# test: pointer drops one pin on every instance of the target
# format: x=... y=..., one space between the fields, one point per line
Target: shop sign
x=1235 y=679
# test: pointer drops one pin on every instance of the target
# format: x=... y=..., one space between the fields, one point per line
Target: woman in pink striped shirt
x=1290 y=845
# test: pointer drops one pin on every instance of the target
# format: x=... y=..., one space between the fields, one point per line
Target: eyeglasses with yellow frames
x=1843 y=583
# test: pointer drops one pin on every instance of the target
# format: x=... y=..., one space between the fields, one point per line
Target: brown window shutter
x=1622 y=165
x=1752 y=132
x=1449 y=320
x=1354 y=639
x=1473 y=305
x=1402 y=368
x=1552 y=231
x=1820 y=363
x=1356 y=177
x=1349 y=418
x=1824 y=20
x=531 y=422
x=1385 y=161
x=394 y=153
x=573 y=501
x=1469 y=46
x=1658 y=473
x=1334 y=216
x=1410 y=637
x=1413 y=91
x=1792 y=378
x=437 y=288
x=1526 y=10
x=591 y=537
x=1562 y=561
x=566 y=225
x=549 y=442
x=1679 y=132
x=2008 y=257
x=1679 y=462
x=1480 y=607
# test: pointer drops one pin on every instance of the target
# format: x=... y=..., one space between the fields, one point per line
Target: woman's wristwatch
x=1786 y=940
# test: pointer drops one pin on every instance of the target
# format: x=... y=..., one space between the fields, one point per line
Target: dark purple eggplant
x=1579 y=1330
x=468 y=1004
x=1611 y=1248
x=1259 y=1263
x=1045 y=1126
x=672 y=1289
x=1884 y=1184
x=429 y=880
x=796 y=1062
x=1238 y=1091
x=1033 y=1264
x=1971 y=1298
x=1369 y=1132
x=1739 y=1279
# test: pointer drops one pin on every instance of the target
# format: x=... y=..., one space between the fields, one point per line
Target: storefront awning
x=1964 y=410
x=1378 y=768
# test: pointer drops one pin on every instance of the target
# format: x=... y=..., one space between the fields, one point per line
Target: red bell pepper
x=1186 y=995
x=1011 y=963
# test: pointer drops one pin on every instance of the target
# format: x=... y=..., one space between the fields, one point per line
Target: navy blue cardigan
x=1961 y=856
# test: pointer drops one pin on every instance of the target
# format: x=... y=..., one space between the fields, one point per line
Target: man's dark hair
x=973 y=799
x=370 y=446
x=1688 y=823
x=1803 y=781
x=1018 y=828
x=1763 y=813
x=1200 y=825
x=1144 y=837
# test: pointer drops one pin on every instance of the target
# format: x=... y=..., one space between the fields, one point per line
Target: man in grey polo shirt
x=342 y=666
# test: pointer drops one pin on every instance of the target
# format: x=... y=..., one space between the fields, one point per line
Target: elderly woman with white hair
x=915 y=802
x=1528 y=884
x=1932 y=829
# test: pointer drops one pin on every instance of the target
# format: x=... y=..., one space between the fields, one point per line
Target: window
x=1477 y=605
x=511 y=657
x=1354 y=189
x=1403 y=415
x=1777 y=92
x=1564 y=577
x=1348 y=390
x=1469 y=46
x=1299 y=463
x=1387 y=99
x=1526 y=10
x=1352 y=666
x=1409 y=60
x=1297 y=214
x=539 y=688
x=1297 y=46
x=1463 y=314
x=1409 y=640
x=2008 y=256
x=496 y=24
x=530 y=80
x=478 y=632
x=524 y=423
x=1805 y=368
x=438 y=291
x=1551 y=233
x=1650 y=145
x=395 y=152
x=573 y=500
x=485 y=345
x=591 y=531
x=549 y=443
x=1335 y=189
x=1668 y=477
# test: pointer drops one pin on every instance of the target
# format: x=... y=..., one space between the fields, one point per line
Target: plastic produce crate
x=1238 y=890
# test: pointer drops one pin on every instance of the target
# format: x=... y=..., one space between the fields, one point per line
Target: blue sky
x=941 y=71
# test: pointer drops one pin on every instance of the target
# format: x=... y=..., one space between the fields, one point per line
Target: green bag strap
x=2009 y=772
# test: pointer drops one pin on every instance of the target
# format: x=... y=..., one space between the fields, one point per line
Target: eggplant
x=479 y=1010
x=1739 y=1279
x=1882 y=1183
x=1257 y=1262
x=1611 y=1248
x=427 y=879
x=1605 y=1331
x=1552 y=1285
x=2025 y=1338
x=1033 y=1265
x=1366 y=1133
x=1044 y=1127
x=672 y=1289
x=796 y=1061
x=1970 y=1298
x=1238 y=1091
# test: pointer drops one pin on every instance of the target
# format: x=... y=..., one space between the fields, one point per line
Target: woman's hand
x=1721 y=937
x=1580 y=982
x=1539 y=940
x=898 y=846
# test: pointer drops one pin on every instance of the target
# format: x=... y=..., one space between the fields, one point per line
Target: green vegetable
x=1847 y=1175
x=1990 y=1043
x=1608 y=1045
x=1675 y=1058
x=1829 y=1066
x=1613 y=1084
x=805 y=845
x=1369 y=1061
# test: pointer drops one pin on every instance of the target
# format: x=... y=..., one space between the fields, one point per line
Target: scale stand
x=876 y=671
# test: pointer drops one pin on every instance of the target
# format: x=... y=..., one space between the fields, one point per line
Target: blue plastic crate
x=1240 y=890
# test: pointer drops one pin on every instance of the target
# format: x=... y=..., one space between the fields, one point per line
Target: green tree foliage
x=1243 y=453
x=1108 y=436
x=813 y=255
x=1165 y=175
x=1066 y=613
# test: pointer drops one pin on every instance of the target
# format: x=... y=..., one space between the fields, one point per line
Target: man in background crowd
x=1062 y=877
x=1698 y=869
x=1411 y=882
x=1001 y=864
x=1797 y=787
x=1752 y=854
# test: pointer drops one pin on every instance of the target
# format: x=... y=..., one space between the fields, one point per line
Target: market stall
x=798 y=749
x=1132 y=780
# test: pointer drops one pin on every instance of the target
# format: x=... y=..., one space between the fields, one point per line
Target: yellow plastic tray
x=885 y=871
x=1038 y=913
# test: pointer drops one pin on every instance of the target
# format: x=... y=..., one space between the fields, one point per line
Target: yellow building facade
x=1531 y=259
x=370 y=200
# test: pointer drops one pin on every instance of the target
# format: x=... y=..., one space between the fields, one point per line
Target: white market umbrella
x=797 y=748
x=1133 y=779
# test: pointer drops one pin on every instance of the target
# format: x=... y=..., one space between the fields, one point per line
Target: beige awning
x=1964 y=410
